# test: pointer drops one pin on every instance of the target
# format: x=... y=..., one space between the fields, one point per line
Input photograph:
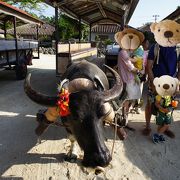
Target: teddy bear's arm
x=158 y=105
x=133 y=60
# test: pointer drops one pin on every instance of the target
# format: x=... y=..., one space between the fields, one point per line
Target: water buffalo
x=88 y=106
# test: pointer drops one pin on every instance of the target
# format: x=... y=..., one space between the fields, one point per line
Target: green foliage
x=108 y=42
x=68 y=27
x=28 y=5
x=97 y=38
x=9 y=36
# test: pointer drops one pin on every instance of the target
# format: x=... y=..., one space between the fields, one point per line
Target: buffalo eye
x=103 y=110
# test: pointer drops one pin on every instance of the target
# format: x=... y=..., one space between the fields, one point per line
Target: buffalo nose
x=95 y=159
x=168 y=34
x=130 y=37
x=166 y=86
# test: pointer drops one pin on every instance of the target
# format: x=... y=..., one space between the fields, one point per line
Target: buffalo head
x=88 y=105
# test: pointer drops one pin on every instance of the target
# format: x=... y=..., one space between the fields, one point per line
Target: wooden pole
x=16 y=43
x=37 y=26
x=90 y=26
x=5 y=35
x=79 y=30
x=56 y=36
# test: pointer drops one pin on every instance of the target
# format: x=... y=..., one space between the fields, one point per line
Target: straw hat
x=123 y=36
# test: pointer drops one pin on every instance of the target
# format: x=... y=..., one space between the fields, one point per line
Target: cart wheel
x=21 y=71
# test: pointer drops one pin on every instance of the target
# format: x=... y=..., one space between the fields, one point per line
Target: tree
x=68 y=27
x=28 y=5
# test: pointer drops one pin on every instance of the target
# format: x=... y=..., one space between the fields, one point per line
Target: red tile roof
x=16 y=10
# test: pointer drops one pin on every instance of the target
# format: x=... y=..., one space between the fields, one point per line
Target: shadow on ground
x=17 y=124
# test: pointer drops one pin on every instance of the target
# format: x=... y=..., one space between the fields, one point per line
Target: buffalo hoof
x=71 y=158
x=129 y=128
x=121 y=133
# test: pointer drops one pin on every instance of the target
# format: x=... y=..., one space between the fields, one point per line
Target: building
x=104 y=31
x=174 y=15
x=29 y=31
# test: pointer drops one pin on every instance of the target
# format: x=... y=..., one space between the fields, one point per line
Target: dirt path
x=21 y=157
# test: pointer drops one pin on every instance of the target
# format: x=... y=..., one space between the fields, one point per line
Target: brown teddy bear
x=166 y=33
x=129 y=38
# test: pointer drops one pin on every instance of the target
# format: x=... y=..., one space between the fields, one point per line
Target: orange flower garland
x=63 y=102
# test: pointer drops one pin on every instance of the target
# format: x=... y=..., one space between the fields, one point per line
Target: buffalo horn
x=80 y=84
x=37 y=97
x=116 y=90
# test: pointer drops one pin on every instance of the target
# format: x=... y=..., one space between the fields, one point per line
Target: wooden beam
x=89 y=12
x=95 y=21
x=101 y=10
x=120 y=11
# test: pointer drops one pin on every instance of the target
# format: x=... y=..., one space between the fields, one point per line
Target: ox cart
x=67 y=53
x=10 y=60
x=16 y=52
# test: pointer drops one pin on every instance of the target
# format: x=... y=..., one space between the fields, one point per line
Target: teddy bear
x=166 y=88
x=166 y=33
x=129 y=38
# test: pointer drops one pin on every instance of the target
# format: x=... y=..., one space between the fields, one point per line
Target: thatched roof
x=97 y=11
x=106 y=28
x=31 y=29
x=1 y=31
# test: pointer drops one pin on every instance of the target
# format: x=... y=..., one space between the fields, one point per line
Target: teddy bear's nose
x=168 y=34
x=130 y=36
x=166 y=86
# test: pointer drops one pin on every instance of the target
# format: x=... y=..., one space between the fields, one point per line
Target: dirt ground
x=136 y=158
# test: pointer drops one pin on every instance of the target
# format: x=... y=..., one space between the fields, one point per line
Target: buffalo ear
x=98 y=84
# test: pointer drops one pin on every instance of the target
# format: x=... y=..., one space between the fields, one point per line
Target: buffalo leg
x=72 y=154
x=45 y=118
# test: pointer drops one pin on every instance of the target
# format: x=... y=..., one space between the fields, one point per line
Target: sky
x=147 y=8
x=144 y=11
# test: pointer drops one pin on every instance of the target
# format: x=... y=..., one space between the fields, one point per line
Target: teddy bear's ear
x=155 y=81
x=152 y=27
x=116 y=37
